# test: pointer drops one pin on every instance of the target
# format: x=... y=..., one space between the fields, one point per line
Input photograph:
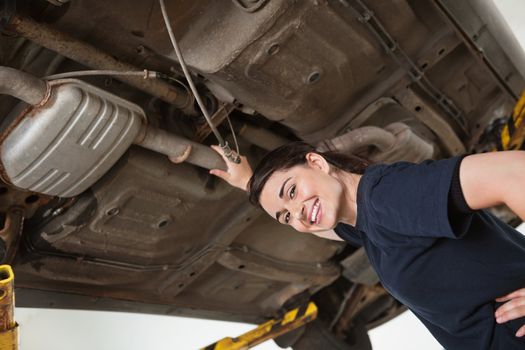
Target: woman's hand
x=237 y=175
x=513 y=308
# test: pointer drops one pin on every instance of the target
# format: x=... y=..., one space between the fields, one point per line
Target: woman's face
x=307 y=197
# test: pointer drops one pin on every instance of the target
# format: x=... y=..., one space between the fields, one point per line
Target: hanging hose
x=232 y=156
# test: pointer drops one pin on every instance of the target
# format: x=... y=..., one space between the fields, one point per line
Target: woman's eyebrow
x=281 y=192
x=282 y=188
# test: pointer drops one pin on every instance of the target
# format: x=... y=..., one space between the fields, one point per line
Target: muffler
x=73 y=133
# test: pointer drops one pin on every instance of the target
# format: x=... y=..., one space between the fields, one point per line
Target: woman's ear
x=317 y=161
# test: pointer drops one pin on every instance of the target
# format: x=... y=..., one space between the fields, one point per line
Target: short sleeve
x=456 y=199
x=412 y=199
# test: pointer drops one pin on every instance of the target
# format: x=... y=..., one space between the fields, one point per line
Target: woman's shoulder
x=406 y=197
x=405 y=170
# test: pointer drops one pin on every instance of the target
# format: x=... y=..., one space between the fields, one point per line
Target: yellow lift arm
x=8 y=326
x=292 y=319
x=513 y=133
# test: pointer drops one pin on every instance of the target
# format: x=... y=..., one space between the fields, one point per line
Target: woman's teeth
x=315 y=211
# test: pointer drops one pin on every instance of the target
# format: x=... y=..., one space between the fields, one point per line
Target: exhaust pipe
x=23 y=86
x=178 y=149
x=359 y=138
x=395 y=142
x=75 y=132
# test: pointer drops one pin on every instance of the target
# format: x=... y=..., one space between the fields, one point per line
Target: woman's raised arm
x=236 y=175
x=489 y=179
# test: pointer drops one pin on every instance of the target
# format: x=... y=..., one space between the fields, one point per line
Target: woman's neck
x=348 y=210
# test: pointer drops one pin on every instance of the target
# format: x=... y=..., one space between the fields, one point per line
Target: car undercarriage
x=106 y=196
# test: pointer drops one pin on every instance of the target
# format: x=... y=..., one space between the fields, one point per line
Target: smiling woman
x=423 y=228
x=334 y=172
x=307 y=197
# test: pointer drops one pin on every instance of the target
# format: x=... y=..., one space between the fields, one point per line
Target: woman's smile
x=315 y=214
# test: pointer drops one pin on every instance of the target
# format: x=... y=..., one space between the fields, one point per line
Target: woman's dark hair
x=292 y=154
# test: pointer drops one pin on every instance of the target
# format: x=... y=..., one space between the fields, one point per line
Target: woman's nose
x=297 y=210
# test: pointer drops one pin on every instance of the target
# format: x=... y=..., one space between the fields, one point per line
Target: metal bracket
x=217 y=118
x=394 y=50
x=10 y=234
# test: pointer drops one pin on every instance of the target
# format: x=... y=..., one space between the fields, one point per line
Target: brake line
x=231 y=155
x=145 y=74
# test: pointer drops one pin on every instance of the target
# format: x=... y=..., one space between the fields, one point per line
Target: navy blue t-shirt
x=447 y=271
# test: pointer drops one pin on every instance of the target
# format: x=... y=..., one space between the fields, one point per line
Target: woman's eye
x=292 y=192
x=287 y=217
